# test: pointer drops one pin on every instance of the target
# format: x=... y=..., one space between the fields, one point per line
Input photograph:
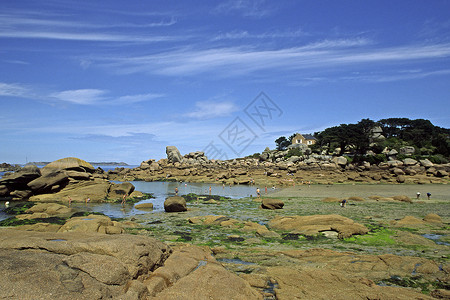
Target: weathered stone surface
x=407 y=150
x=175 y=204
x=45 y=183
x=270 y=203
x=426 y=163
x=92 y=223
x=196 y=275
x=95 y=191
x=340 y=161
x=144 y=206
x=77 y=175
x=19 y=179
x=311 y=225
x=68 y=163
x=409 y=162
x=400 y=179
x=326 y=284
x=441 y=173
x=52 y=209
x=118 y=190
x=173 y=155
x=36 y=265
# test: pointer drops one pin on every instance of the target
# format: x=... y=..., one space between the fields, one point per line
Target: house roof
x=308 y=137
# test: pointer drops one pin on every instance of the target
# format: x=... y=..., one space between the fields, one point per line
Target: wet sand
x=439 y=192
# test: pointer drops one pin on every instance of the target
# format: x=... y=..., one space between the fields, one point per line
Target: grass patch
x=19 y=208
x=377 y=236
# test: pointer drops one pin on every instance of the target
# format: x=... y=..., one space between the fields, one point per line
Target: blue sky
x=120 y=80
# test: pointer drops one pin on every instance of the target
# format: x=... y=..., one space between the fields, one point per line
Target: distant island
x=110 y=163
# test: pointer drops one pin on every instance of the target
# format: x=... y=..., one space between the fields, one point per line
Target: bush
x=438 y=159
x=375 y=159
x=294 y=152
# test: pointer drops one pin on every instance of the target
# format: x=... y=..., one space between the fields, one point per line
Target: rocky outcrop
x=313 y=225
x=175 y=204
x=92 y=223
x=193 y=273
x=69 y=163
x=173 y=155
x=271 y=203
x=50 y=182
x=36 y=265
x=67 y=177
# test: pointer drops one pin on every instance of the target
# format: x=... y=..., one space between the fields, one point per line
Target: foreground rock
x=270 y=203
x=192 y=273
x=35 y=265
x=175 y=204
x=327 y=274
x=313 y=225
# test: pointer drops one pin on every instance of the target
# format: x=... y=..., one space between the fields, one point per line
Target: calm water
x=161 y=190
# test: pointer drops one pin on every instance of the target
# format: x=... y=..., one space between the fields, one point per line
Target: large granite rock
x=312 y=225
x=175 y=204
x=49 y=181
x=192 y=273
x=173 y=155
x=118 y=190
x=68 y=163
x=96 y=191
x=36 y=265
x=270 y=203
x=92 y=223
x=19 y=179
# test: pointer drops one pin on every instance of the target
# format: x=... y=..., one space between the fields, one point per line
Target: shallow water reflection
x=161 y=190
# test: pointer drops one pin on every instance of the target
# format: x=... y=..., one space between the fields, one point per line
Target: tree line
x=358 y=139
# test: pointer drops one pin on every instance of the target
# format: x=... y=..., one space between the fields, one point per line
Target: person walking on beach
x=88 y=200
x=124 y=200
x=210 y=190
x=343 y=202
x=418 y=195
x=176 y=191
x=258 y=193
x=428 y=196
x=265 y=189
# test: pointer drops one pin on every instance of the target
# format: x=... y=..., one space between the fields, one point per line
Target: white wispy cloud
x=86 y=36
x=82 y=96
x=244 y=34
x=246 y=8
x=28 y=26
x=78 y=97
x=211 y=109
x=100 y=97
x=244 y=60
x=128 y=99
x=14 y=90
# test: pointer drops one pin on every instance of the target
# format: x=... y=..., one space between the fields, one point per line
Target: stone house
x=306 y=139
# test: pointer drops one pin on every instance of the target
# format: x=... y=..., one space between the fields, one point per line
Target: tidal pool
x=160 y=191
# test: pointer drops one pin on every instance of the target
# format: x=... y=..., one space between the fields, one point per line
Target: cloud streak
x=238 y=61
x=77 y=97
x=210 y=110
x=24 y=26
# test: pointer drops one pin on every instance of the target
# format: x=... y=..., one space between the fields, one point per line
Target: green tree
x=282 y=143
